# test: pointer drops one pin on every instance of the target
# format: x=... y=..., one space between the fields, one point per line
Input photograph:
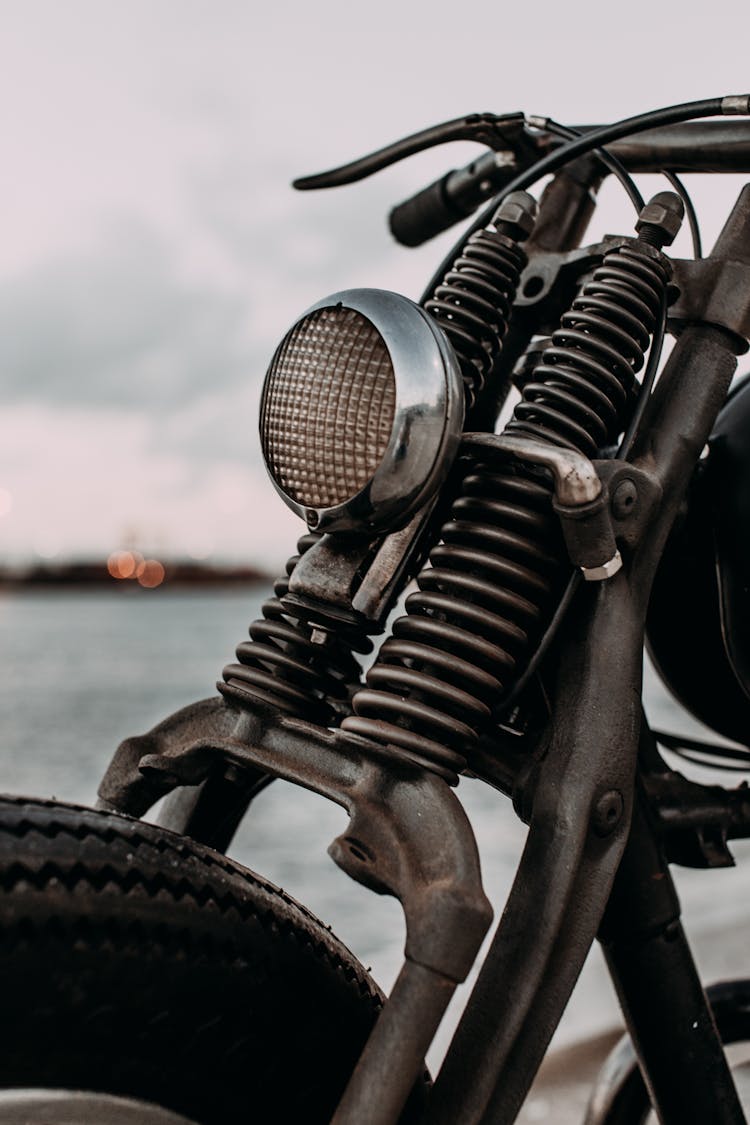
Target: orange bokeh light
x=125 y=564
x=150 y=574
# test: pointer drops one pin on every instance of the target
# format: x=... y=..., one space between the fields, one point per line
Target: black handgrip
x=426 y=214
x=450 y=199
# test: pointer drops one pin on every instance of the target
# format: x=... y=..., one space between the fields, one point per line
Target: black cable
x=649 y=377
x=686 y=747
x=541 y=649
x=615 y=166
x=596 y=138
x=618 y=169
x=690 y=212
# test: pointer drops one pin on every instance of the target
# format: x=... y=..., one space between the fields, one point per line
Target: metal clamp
x=581 y=500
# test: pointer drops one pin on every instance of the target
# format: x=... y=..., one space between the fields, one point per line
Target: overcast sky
x=152 y=252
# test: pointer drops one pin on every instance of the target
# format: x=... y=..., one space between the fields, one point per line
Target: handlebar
x=453 y=197
x=705 y=147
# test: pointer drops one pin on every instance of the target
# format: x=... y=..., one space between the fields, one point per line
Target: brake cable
x=733 y=105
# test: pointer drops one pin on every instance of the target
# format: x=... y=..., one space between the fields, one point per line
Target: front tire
x=139 y=963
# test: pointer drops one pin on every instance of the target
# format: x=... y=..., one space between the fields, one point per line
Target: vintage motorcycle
x=147 y=977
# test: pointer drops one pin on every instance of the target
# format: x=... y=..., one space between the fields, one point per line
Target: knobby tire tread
x=138 y=962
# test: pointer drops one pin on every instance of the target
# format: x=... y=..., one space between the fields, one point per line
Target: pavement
x=561 y=1091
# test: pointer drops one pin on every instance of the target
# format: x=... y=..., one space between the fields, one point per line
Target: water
x=81 y=671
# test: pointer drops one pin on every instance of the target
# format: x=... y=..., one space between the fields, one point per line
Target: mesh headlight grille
x=328 y=407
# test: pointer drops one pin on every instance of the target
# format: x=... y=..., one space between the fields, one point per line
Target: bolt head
x=624 y=499
x=607 y=812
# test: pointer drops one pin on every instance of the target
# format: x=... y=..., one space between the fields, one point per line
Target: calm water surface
x=81 y=671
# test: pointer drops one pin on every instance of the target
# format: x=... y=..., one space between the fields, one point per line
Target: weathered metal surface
x=407 y=834
x=619 y=1095
x=665 y=1007
x=575 y=477
x=564 y=878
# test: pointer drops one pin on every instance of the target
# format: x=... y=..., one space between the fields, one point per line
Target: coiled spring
x=293 y=666
x=289 y=665
x=494 y=580
x=585 y=382
x=472 y=304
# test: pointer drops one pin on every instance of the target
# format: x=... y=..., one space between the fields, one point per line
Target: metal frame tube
x=662 y=998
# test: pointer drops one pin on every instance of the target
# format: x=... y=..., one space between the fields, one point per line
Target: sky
x=153 y=252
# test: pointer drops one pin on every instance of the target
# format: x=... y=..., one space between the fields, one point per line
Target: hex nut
x=606 y=570
x=664 y=213
x=518 y=209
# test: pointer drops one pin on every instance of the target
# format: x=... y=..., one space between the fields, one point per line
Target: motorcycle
x=147 y=977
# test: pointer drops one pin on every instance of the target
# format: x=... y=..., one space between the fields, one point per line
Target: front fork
x=408 y=835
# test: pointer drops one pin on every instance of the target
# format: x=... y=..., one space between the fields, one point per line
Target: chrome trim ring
x=427 y=421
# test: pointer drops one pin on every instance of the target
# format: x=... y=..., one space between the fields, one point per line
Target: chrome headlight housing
x=361 y=411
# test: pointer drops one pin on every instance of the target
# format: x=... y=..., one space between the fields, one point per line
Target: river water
x=81 y=671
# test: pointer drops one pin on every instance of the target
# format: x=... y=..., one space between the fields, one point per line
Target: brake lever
x=504 y=132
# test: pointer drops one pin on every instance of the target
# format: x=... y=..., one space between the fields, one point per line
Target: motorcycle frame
x=605 y=814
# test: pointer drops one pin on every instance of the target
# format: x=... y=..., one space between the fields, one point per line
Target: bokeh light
x=148 y=573
x=125 y=564
x=151 y=574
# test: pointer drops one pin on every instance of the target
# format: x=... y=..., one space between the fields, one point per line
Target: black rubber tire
x=137 y=962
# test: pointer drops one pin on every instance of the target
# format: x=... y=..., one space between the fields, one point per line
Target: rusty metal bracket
x=696 y=821
x=581 y=498
x=634 y=497
x=408 y=836
x=618 y=518
x=352 y=582
x=575 y=477
x=551 y=280
x=713 y=291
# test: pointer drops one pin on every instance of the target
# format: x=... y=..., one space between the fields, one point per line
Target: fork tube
x=665 y=1007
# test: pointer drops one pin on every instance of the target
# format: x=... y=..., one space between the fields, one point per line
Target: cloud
x=117 y=325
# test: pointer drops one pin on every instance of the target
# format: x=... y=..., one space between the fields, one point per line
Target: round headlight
x=361 y=411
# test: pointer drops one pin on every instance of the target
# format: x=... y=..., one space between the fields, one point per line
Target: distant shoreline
x=77 y=576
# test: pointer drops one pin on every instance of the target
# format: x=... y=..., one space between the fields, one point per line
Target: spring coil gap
x=495 y=578
x=282 y=666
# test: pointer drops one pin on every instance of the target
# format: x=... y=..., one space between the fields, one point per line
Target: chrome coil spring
x=288 y=665
x=494 y=580
x=472 y=303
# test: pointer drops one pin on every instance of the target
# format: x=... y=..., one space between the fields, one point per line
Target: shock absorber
x=311 y=673
x=472 y=303
x=496 y=576
x=289 y=665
